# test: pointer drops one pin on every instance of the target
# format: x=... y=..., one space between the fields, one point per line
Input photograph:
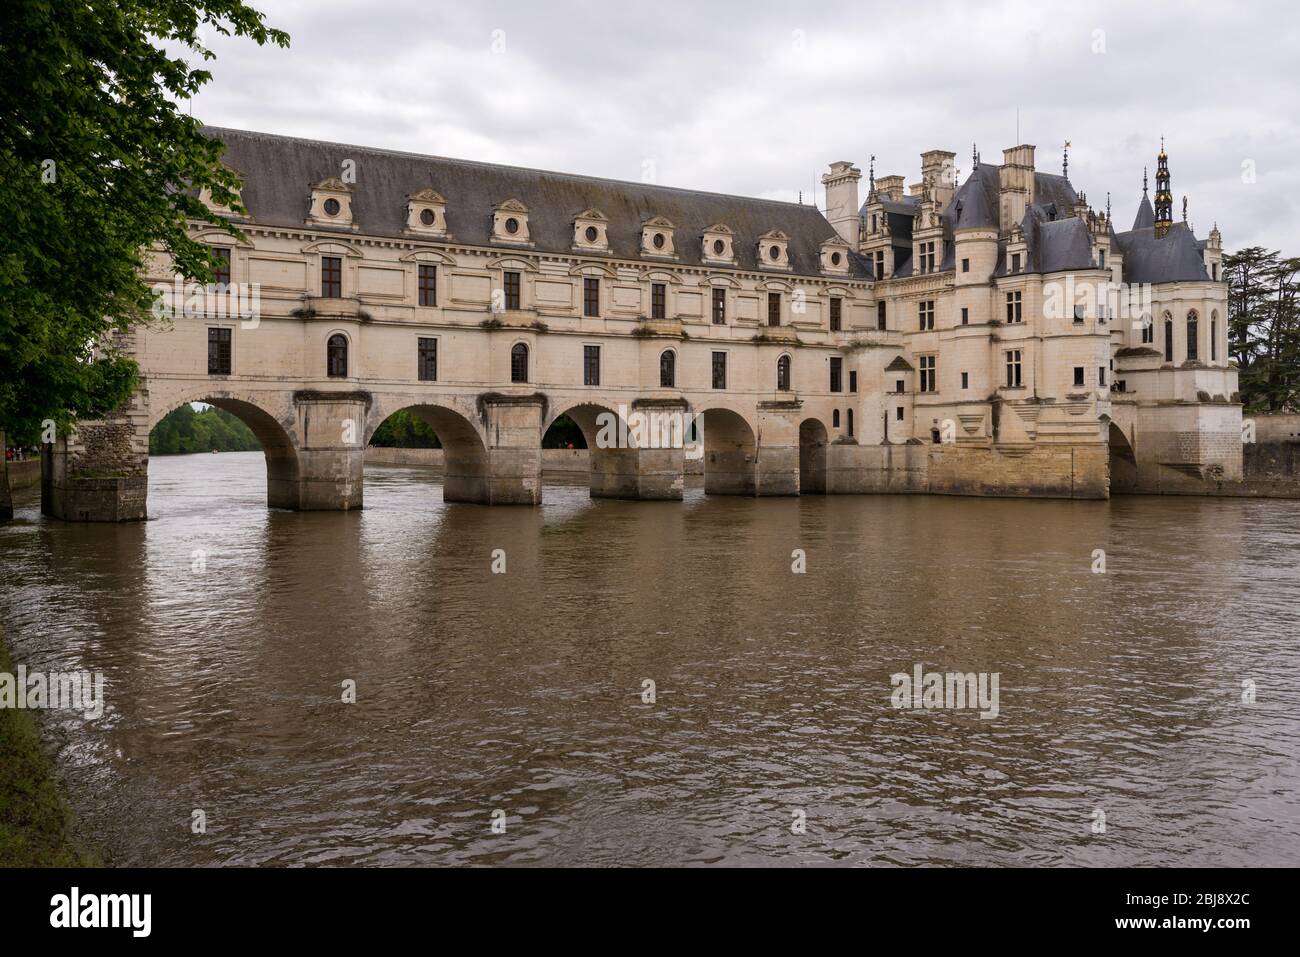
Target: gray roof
x=1175 y=258
x=1146 y=216
x=279 y=170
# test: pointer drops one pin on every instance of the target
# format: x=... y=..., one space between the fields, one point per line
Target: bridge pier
x=331 y=456
x=777 y=469
x=514 y=454
x=99 y=473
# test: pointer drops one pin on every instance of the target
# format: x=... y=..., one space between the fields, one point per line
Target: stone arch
x=278 y=440
x=1123 y=461
x=730 y=452
x=613 y=456
x=466 y=469
x=814 y=440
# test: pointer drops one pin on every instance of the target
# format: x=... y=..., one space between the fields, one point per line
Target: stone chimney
x=1015 y=186
x=842 y=199
x=890 y=187
x=939 y=173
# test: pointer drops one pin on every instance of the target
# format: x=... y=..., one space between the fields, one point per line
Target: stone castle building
x=992 y=336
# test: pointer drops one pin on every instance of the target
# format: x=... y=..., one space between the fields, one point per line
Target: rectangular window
x=880 y=316
x=880 y=264
x=773 y=308
x=218 y=351
x=511 y=287
x=900 y=385
x=1078 y=315
x=853 y=380
x=1101 y=375
x=221 y=276
x=1013 y=369
x=590 y=296
x=965 y=265
x=1101 y=258
x=1078 y=375
x=427 y=364
x=965 y=315
x=658 y=300
x=591 y=365
x=965 y=380
x=719 y=370
x=428 y=284
x=928 y=373
x=898 y=413
x=836 y=307
x=331 y=277
x=1015 y=262
x=925 y=310
x=1214 y=340
x=927 y=257
x=719 y=307
x=1013 y=307
x=837 y=367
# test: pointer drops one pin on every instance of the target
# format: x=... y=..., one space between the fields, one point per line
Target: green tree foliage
x=1264 y=327
x=405 y=430
x=184 y=430
x=99 y=165
x=563 y=433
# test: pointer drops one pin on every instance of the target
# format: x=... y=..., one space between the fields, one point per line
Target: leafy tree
x=184 y=430
x=405 y=430
x=98 y=167
x=1264 y=327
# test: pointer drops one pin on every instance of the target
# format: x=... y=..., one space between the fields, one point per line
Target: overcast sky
x=757 y=98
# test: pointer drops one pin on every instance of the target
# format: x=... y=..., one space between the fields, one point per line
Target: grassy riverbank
x=35 y=822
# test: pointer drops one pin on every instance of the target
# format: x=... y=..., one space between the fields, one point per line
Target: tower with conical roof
x=1164 y=197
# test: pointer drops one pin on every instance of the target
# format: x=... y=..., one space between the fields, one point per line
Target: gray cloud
x=758 y=99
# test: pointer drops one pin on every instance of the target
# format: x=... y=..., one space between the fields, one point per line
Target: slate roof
x=279 y=170
x=1175 y=258
x=1146 y=216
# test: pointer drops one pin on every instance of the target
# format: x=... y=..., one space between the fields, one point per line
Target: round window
x=835 y=259
x=512 y=225
x=658 y=240
x=428 y=217
x=331 y=207
x=592 y=233
x=775 y=252
x=718 y=247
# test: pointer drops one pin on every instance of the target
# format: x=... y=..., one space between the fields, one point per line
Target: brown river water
x=521 y=692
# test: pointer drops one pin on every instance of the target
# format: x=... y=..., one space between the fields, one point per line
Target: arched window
x=667 y=369
x=1191 y=336
x=835 y=418
x=336 y=356
x=1214 y=336
x=1169 y=338
x=519 y=362
x=783 y=374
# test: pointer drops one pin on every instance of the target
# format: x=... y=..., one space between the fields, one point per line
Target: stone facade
x=913 y=343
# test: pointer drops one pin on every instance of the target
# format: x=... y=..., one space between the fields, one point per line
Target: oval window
x=775 y=252
x=331 y=207
x=592 y=233
x=428 y=217
x=512 y=225
x=835 y=259
x=718 y=247
x=658 y=241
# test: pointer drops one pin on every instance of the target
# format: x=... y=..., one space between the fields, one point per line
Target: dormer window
x=773 y=250
x=835 y=256
x=426 y=213
x=331 y=203
x=510 y=223
x=718 y=244
x=657 y=238
x=589 y=231
x=205 y=196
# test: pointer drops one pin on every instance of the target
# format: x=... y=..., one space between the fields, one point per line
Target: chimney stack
x=842 y=200
x=1015 y=185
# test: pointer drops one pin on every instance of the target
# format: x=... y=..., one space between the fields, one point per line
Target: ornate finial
x=1184 y=209
x=1162 y=146
x=1108 y=206
x=1065 y=160
x=1144 y=180
x=871 y=183
x=974 y=157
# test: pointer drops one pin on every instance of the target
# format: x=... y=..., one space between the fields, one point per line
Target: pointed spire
x=1065 y=160
x=1164 y=196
